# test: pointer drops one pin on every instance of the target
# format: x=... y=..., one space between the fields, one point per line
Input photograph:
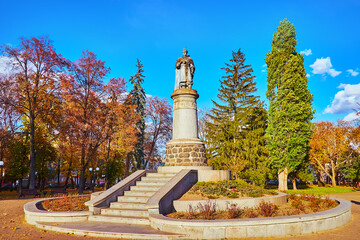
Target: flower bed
x=297 y=204
x=67 y=203
x=226 y=189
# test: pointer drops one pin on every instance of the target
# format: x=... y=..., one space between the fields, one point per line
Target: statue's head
x=185 y=52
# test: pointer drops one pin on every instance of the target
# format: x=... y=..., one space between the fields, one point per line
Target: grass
x=312 y=189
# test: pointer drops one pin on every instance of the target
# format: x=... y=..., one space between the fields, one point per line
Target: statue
x=184 y=71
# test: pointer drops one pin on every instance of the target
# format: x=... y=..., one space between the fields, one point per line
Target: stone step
x=158 y=179
x=145 y=188
x=115 y=219
x=133 y=199
x=125 y=212
x=139 y=193
x=150 y=183
x=128 y=205
x=160 y=174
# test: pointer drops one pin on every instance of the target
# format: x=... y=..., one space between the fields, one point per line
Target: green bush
x=229 y=188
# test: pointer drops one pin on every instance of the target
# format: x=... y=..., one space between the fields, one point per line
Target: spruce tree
x=138 y=98
x=290 y=110
x=235 y=120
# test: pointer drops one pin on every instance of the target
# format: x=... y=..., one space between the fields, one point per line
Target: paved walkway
x=116 y=230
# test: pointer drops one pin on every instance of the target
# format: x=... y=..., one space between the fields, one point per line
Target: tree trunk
x=283 y=176
x=58 y=172
x=82 y=180
x=32 y=152
x=294 y=184
x=127 y=165
x=333 y=175
x=20 y=185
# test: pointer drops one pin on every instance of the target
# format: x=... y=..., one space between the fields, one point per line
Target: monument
x=185 y=150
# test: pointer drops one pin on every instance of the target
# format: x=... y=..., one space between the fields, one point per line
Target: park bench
x=57 y=191
x=24 y=192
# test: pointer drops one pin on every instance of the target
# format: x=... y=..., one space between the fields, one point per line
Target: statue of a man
x=184 y=71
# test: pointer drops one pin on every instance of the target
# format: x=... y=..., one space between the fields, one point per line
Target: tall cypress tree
x=233 y=120
x=290 y=110
x=138 y=98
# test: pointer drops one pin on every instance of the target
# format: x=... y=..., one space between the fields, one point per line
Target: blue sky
x=156 y=32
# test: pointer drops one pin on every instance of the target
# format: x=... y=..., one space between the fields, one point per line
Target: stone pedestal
x=185 y=149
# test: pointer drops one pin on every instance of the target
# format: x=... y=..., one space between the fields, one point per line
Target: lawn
x=312 y=189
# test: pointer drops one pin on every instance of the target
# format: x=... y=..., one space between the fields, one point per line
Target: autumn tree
x=37 y=70
x=158 y=129
x=331 y=147
x=17 y=166
x=120 y=131
x=236 y=121
x=82 y=94
x=8 y=117
x=138 y=98
x=290 y=110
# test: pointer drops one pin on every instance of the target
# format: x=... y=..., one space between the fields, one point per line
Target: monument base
x=205 y=173
x=185 y=152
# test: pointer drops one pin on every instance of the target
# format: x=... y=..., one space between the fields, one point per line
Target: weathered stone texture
x=186 y=154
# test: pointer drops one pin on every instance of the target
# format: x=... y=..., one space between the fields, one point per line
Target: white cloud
x=264 y=66
x=5 y=65
x=346 y=100
x=307 y=75
x=322 y=66
x=306 y=52
x=351 y=117
x=353 y=73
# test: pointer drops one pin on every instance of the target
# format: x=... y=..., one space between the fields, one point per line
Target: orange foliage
x=330 y=147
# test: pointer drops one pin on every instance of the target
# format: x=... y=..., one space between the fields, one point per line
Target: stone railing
x=162 y=201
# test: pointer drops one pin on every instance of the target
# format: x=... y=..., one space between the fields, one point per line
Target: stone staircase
x=130 y=208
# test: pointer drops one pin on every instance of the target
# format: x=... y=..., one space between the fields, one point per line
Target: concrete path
x=105 y=229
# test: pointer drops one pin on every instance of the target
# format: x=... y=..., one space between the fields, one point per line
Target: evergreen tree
x=236 y=125
x=290 y=110
x=138 y=98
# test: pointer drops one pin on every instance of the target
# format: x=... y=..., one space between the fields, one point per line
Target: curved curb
x=34 y=214
x=221 y=204
x=257 y=227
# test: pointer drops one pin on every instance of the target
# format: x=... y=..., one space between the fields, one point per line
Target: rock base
x=185 y=152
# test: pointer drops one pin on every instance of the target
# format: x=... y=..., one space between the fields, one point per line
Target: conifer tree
x=237 y=121
x=138 y=98
x=290 y=110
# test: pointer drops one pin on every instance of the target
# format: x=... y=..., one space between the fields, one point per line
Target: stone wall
x=185 y=154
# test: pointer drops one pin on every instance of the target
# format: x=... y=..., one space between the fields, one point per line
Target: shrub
x=190 y=213
x=250 y=213
x=233 y=211
x=207 y=209
x=267 y=209
x=298 y=203
x=233 y=195
x=329 y=203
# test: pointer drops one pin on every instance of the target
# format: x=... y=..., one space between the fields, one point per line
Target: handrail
x=162 y=201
